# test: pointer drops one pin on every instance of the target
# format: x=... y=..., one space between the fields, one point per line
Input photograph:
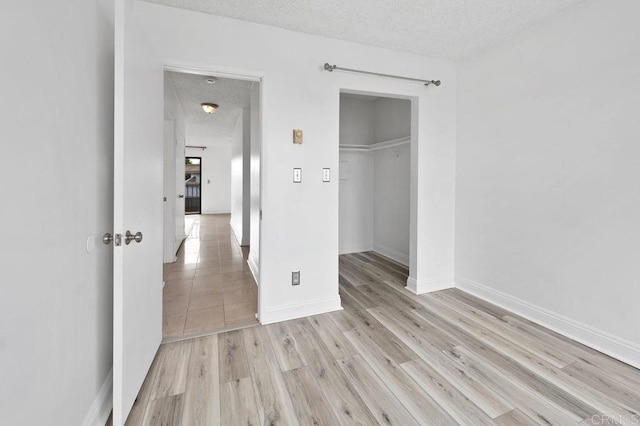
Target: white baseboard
x=253 y=267
x=236 y=234
x=428 y=286
x=102 y=404
x=392 y=254
x=597 y=339
x=216 y=212
x=289 y=312
x=355 y=248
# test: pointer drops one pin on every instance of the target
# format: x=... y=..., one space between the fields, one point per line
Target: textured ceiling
x=231 y=96
x=440 y=28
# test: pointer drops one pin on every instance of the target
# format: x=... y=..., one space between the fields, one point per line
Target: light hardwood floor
x=389 y=358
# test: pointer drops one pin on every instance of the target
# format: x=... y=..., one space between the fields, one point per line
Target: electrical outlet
x=295 y=278
x=297 y=136
x=326 y=175
x=297 y=175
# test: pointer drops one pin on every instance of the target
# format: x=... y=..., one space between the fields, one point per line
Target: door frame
x=222 y=71
x=199 y=186
x=413 y=169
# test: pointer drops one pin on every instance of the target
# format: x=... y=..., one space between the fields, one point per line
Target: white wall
x=356 y=202
x=392 y=202
x=300 y=221
x=392 y=119
x=55 y=295
x=216 y=177
x=246 y=177
x=255 y=187
x=548 y=168
x=237 y=179
x=356 y=121
x=375 y=197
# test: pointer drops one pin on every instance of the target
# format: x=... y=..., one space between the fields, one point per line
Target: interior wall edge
x=101 y=407
x=607 y=343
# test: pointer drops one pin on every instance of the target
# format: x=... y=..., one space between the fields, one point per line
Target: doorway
x=374 y=186
x=192 y=185
x=211 y=282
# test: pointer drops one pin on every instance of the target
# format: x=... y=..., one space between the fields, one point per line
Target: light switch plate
x=297 y=175
x=326 y=175
x=295 y=278
x=297 y=136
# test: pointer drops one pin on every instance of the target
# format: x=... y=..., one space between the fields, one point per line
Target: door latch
x=117 y=240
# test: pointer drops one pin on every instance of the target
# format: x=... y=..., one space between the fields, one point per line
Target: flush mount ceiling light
x=211 y=80
x=209 y=108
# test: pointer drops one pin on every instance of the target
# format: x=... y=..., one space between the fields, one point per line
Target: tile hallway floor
x=209 y=288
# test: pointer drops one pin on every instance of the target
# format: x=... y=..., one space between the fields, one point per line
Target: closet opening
x=374 y=190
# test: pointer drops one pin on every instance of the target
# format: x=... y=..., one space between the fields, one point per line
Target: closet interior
x=375 y=149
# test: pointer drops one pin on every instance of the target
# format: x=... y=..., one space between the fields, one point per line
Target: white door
x=179 y=207
x=138 y=162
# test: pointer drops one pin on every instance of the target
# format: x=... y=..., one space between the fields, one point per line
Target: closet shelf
x=376 y=146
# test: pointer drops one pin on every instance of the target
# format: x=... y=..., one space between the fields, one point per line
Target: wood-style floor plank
x=385 y=407
x=412 y=396
x=347 y=404
x=514 y=417
x=310 y=405
x=202 y=393
x=272 y=398
x=165 y=411
x=285 y=347
x=232 y=356
x=332 y=337
x=461 y=408
x=171 y=376
x=238 y=403
x=390 y=357
x=489 y=401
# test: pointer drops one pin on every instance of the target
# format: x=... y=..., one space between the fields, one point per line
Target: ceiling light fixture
x=209 y=108
x=211 y=80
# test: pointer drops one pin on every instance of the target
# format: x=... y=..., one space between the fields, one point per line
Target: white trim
x=392 y=254
x=234 y=231
x=215 y=212
x=429 y=286
x=595 y=338
x=253 y=267
x=101 y=407
x=356 y=248
x=300 y=310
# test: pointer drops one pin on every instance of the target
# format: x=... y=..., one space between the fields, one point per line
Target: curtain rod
x=331 y=68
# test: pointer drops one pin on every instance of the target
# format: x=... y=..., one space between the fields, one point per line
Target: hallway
x=210 y=287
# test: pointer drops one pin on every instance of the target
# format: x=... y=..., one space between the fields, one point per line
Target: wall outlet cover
x=295 y=278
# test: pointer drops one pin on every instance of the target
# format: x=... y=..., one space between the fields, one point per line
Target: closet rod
x=331 y=68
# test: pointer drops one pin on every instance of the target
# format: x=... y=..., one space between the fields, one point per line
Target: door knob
x=128 y=237
x=107 y=238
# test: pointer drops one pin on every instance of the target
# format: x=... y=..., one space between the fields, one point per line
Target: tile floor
x=209 y=288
